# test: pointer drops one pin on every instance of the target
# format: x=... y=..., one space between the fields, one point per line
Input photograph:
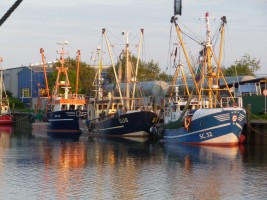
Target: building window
x=25 y=92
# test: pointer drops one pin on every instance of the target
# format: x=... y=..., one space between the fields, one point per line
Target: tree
x=12 y=100
x=86 y=76
x=147 y=71
x=245 y=66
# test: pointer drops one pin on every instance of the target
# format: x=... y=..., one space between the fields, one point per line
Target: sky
x=39 y=24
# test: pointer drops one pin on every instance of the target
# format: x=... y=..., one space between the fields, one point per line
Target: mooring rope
x=256 y=131
x=25 y=117
x=253 y=129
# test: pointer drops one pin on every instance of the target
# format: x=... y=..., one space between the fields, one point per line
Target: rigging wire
x=197 y=39
x=231 y=48
x=115 y=51
x=169 y=50
x=143 y=55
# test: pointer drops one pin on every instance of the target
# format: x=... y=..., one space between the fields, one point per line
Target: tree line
x=148 y=71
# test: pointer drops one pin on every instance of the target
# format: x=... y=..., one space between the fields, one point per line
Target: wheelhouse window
x=25 y=92
x=64 y=107
x=72 y=107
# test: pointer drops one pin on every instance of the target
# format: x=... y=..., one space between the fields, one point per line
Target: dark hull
x=132 y=124
x=65 y=124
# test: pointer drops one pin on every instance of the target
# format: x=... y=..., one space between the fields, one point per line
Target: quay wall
x=22 y=124
x=256 y=132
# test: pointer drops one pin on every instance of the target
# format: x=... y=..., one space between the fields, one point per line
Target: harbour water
x=37 y=167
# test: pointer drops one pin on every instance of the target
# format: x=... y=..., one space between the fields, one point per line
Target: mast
x=222 y=29
x=212 y=75
x=78 y=72
x=127 y=72
x=222 y=40
x=62 y=70
x=219 y=72
x=178 y=30
x=208 y=58
x=178 y=69
x=99 y=83
x=137 y=65
x=113 y=65
x=45 y=74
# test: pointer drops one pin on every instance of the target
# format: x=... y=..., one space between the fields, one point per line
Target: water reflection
x=64 y=162
x=65 y=155
x=5 y=132
x=204 y=169
x=122 y=168
x=112 y=168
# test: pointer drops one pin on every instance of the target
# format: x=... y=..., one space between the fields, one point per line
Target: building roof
x=247 y=88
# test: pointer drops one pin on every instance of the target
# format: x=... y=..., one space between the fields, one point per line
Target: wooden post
x=248 y=122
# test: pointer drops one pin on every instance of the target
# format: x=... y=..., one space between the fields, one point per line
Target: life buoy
x=187 y=122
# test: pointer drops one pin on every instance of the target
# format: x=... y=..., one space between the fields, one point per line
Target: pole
x=265 y=100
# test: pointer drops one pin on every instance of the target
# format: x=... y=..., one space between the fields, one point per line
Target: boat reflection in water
x=64 y=162
x=197 y=152
x=101 y=165
x=5 y=129
x=66 y=155
x=204 y=168
x=99 y=168
x=5 y=132
x=39 y=130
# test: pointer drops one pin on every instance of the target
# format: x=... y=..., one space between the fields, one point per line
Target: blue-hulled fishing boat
x=219 y=120
x=65 y=108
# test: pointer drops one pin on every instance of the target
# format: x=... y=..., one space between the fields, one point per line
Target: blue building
x=26 y=83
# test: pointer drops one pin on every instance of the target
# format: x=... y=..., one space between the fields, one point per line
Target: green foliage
x=173 y=125
x=16 y=102
x=164 y=77
x=147 y=71
x=245 y=66
x=9 y=94
x=86 y=76
x=259 y=116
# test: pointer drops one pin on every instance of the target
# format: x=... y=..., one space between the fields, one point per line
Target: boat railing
x=231 y=102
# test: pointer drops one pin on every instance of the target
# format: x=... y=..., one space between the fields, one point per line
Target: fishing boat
x=120 y=114
x=64 y=108
x=220 y=120
x=5 y=114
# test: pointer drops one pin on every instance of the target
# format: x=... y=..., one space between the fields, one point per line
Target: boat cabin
x=70 y=102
